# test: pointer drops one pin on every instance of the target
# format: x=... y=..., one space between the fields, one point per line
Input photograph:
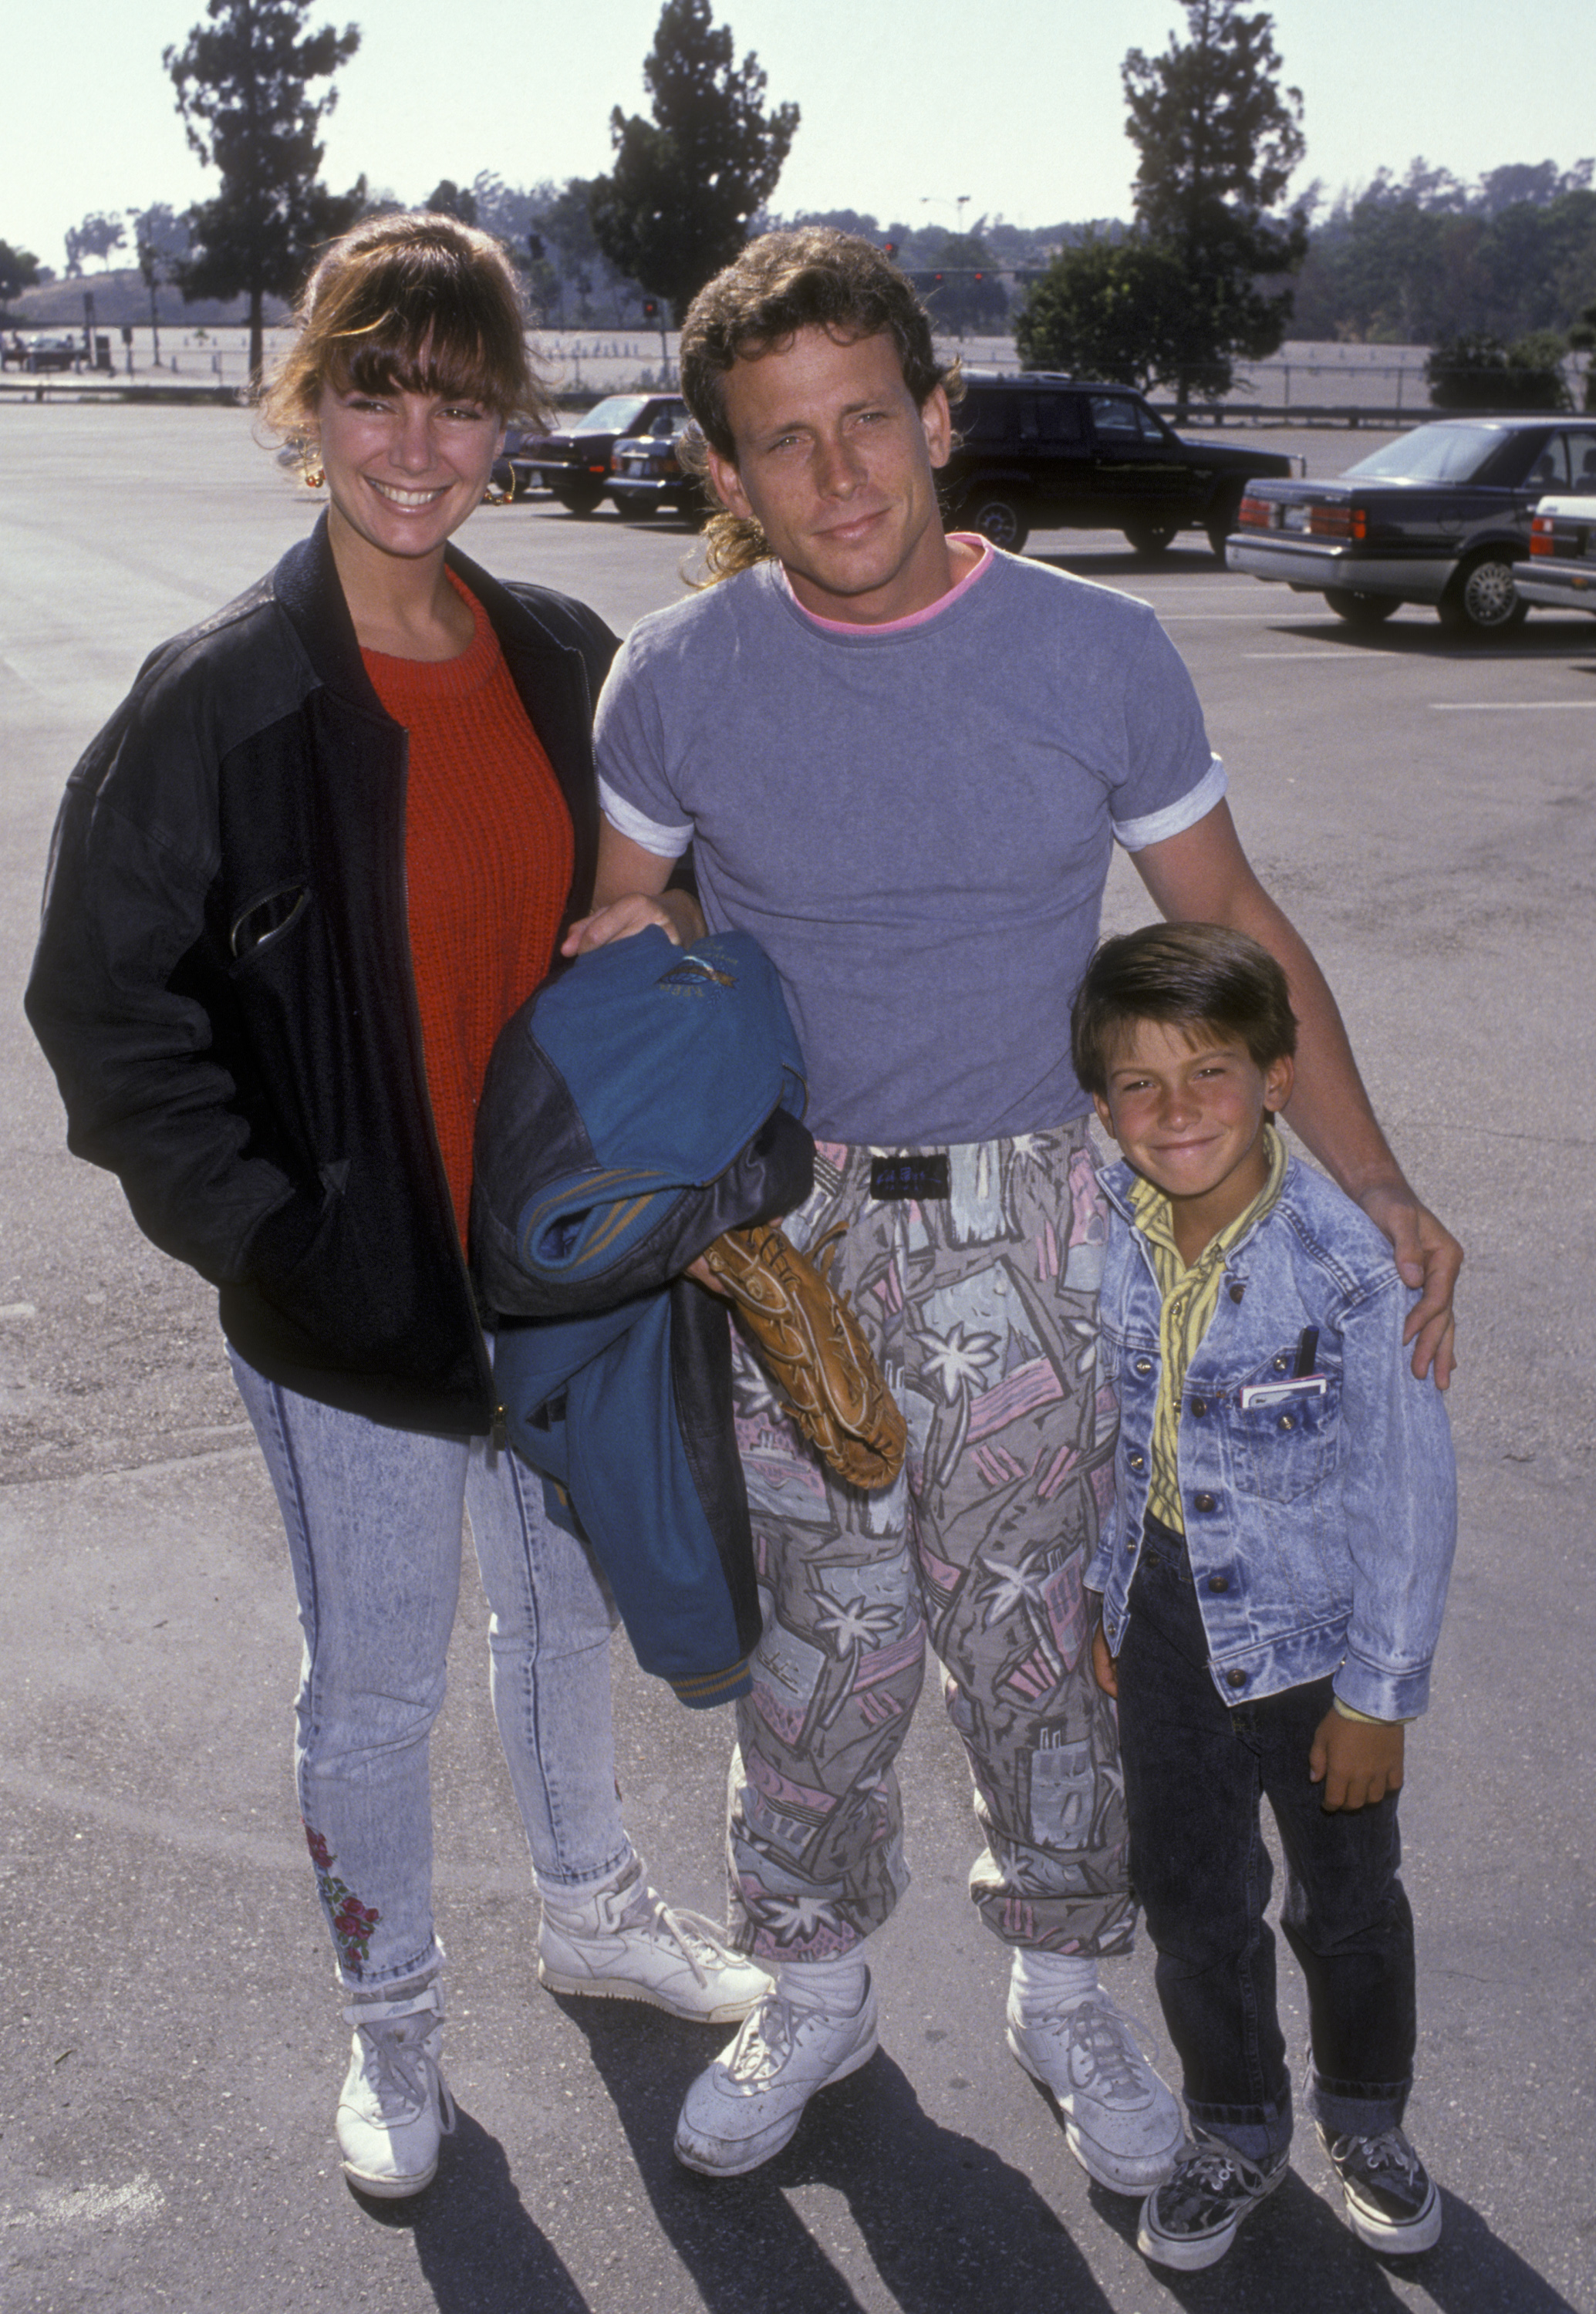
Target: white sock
x=1051 y=1975
x=837 y=1986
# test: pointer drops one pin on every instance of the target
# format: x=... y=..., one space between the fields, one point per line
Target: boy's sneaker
x=1191 y=2220
x=393 y=2107
x=1121 y=2122
x=626 y=1943
x=1390 y=2196
x=749 y=2103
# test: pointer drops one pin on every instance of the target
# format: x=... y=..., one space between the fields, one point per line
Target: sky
x=907 y=104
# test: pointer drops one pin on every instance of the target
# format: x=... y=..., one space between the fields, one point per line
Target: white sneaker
x=393 y=2107
x=1121 y=2122
x=626 y=1943
x=749 y=2103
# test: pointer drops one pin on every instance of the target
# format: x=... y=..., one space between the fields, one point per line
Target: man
x=900 y=759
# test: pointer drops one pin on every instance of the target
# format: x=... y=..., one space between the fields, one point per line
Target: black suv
x=1043 y=449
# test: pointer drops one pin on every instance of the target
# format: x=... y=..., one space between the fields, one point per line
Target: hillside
x=120 y=295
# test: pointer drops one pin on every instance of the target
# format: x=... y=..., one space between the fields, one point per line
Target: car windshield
x=1434 y=453
x=618 y=415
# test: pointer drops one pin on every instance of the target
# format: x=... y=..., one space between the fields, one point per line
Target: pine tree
x=243 y=85
x=18 y=269
x=685 y=186
x=1219 y=138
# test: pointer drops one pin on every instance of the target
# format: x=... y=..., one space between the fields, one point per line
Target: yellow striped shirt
x=1190 y=1298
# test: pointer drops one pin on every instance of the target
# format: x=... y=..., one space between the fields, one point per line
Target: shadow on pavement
x=476 y=2244
x=1108 y=564
x=1565 y=644
x=1296 y=2251
x=947 y=2223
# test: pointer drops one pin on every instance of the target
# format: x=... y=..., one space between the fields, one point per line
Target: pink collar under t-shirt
x=862 y=630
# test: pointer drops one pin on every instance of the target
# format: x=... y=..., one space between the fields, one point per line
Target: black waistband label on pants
x=908 y=1177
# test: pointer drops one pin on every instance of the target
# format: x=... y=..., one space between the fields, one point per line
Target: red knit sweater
x=488 y=854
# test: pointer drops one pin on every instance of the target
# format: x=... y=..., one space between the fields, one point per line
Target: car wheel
x=1482 y=599
x=578 y=498
x=1150 y=538
x=1360 y=610
x=1224 y=518
x=995 y=516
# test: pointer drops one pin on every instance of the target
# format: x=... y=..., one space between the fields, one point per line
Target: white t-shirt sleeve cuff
x=626 y=819
x=1153 y=827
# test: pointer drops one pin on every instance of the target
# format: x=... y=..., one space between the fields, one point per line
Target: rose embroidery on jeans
x=352 y=1922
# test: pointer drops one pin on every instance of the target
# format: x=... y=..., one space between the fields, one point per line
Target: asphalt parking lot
x=170 y=2047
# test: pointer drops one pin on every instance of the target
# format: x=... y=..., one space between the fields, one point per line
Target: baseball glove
x=810 y=1340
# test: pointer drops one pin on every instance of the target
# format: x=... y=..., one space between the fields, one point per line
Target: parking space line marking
x=1502 y=706
x=1295 y=658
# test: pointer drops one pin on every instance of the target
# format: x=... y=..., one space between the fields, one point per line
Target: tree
x=969 y=295
x=1582 y=338
x=161 y=242
x=678 y=203
x=1219 y=139
x=1426 y=259
x=19 y=270
x=1478 y=372
x=241 y=88
x=96 y=236
x=1106 y=309
x=448 y=199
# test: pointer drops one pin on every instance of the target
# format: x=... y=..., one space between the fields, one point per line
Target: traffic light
x=650 y=309
x=891 y=250
x=534 y=243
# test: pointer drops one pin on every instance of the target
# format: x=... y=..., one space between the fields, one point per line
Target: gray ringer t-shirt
x=914 y=821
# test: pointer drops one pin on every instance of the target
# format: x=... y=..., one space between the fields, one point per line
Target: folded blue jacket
x=642 y=1102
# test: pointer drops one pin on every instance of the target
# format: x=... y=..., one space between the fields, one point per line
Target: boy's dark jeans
x=1194 y=1769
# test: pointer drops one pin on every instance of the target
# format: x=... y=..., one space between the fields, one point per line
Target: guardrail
x=1388 y=416
x=60 y=385
x=1253 y=416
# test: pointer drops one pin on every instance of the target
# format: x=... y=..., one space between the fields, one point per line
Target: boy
x=1271 y=1580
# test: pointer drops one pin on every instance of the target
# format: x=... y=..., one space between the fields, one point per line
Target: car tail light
x=1542 y=540
x=1335 y=518
x=603 y=468
x=1258 y=514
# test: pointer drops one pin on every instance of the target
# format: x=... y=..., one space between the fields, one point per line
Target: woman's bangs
x=434 y=337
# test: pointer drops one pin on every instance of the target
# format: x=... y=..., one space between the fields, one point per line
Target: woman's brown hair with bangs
x=412 y=302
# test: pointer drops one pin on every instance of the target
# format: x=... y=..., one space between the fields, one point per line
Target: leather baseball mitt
x=810 y=1341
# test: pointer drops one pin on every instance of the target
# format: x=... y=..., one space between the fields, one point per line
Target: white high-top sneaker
x=626 y=1943
x=393 y=2107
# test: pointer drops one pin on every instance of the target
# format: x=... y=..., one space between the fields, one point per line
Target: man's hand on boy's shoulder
x=1428 y=1256
x=1357 y=1761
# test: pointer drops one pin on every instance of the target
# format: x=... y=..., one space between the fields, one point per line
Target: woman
x=310 y=868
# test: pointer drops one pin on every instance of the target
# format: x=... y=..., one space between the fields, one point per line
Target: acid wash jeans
x=981 y=1309
x=374 y=1521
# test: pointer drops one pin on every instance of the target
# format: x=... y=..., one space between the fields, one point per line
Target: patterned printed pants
x=981 y=1308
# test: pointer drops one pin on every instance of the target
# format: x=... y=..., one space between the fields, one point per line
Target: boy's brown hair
x=1190 y=976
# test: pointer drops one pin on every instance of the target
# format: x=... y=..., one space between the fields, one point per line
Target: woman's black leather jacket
x=224 y=988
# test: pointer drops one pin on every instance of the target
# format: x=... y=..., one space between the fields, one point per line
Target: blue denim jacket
x=1320 y=1527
